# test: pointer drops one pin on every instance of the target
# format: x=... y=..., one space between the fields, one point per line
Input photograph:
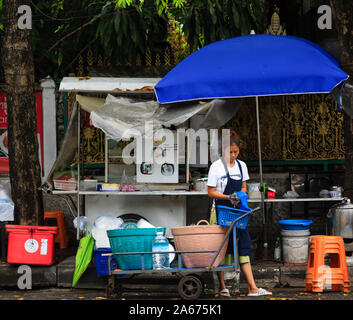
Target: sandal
x=224 y=293
x=260 y=292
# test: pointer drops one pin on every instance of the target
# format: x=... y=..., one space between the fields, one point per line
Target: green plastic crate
x=133 y=240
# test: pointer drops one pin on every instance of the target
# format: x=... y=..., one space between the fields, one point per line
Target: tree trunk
x=18 y=65
x=343 y=21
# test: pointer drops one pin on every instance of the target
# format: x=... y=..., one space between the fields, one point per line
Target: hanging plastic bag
x=213 y=214
x=131 y=183
x=127 y=183
x=124 y=183
x=83 y=223
x=100 y=227
x=6 y=204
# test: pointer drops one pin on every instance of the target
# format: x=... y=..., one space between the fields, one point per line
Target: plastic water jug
x=160 y=244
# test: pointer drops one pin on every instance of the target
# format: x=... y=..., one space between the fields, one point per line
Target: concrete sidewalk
x=267 y=274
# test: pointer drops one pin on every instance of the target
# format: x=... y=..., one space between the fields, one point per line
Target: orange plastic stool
x=61 y=236
x=333 y=274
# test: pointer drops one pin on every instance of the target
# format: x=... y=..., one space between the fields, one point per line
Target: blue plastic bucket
x=101 y=261
x=295 y=224
x=133 y=240
x=226 y=215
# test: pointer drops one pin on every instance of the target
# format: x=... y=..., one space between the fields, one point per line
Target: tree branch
x=78 y=55
x=64 y=38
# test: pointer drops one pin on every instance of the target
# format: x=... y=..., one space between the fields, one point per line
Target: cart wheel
x=112 y=290
x=109 y=291
x=190 y=287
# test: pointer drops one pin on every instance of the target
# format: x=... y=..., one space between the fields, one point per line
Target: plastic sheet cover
x=344 y=98
x=114 y=115
x=67 y=151
x=347 y=99
x=6 y=204
x=121 y=117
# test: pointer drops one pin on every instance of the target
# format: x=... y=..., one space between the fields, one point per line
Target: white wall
x=49 y=125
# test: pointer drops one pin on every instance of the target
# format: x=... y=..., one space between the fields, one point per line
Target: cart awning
x=107 y=84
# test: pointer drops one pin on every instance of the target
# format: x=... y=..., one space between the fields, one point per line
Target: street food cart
x=160 y=199
x=162 y=204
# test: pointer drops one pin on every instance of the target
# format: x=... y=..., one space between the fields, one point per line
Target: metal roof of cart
x=107 y=84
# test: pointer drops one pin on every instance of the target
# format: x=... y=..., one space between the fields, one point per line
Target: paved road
x=280 y=294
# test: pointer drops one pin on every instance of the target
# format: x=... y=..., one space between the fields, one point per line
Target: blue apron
x=244 y=244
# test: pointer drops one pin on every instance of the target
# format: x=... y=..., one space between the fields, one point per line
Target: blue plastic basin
x=295 y=224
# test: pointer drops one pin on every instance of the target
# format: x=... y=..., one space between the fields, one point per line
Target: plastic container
x=254 y=190
x=133 y=240
x=200 y=238
x=334 y=194
x=113 y=187
x=65 y=180
x=102 y=261
x=160 y=244
x=271 y=195
x=226 y=216
x=295 y=247
x=277 y=251
x=88 y=185
x=33 y=245
x=68 y=185
x=295 y=224
x=201 y=185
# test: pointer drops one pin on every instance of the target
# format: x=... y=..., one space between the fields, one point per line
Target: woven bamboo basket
x=200 y=238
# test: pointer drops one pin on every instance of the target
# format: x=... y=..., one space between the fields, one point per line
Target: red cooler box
x=30 y=244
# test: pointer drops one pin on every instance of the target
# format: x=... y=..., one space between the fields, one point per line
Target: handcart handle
x=228 y=233
x=232 y=209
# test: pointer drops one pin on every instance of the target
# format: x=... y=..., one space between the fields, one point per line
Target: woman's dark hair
x=234 y=139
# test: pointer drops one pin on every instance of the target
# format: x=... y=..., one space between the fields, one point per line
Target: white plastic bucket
x=254 y=190
x=295 y=244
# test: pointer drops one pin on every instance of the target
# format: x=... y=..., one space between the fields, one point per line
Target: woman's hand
x=234 y=198
x=212 y=193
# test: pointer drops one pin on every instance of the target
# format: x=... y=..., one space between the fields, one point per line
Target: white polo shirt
x=217 y=175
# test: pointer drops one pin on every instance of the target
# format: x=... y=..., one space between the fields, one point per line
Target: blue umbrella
x=252 y=66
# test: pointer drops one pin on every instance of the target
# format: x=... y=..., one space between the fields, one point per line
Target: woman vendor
x=226 y=176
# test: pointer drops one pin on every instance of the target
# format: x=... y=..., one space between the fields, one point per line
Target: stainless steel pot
x=342 y=215
x=201 y=185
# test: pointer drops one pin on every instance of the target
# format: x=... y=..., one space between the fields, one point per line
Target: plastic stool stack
x=61 y=236
x=327 y=266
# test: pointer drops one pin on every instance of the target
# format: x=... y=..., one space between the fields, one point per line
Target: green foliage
x=212 y=20
x=116 y=28
x=177 y=40
x=63 y=29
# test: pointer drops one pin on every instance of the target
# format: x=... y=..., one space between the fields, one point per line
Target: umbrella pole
x=78 y=169
x=265 y=244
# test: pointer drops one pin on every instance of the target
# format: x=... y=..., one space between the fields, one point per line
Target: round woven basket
x=200 y=238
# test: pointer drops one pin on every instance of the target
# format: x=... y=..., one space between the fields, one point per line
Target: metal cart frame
x=190 y=285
